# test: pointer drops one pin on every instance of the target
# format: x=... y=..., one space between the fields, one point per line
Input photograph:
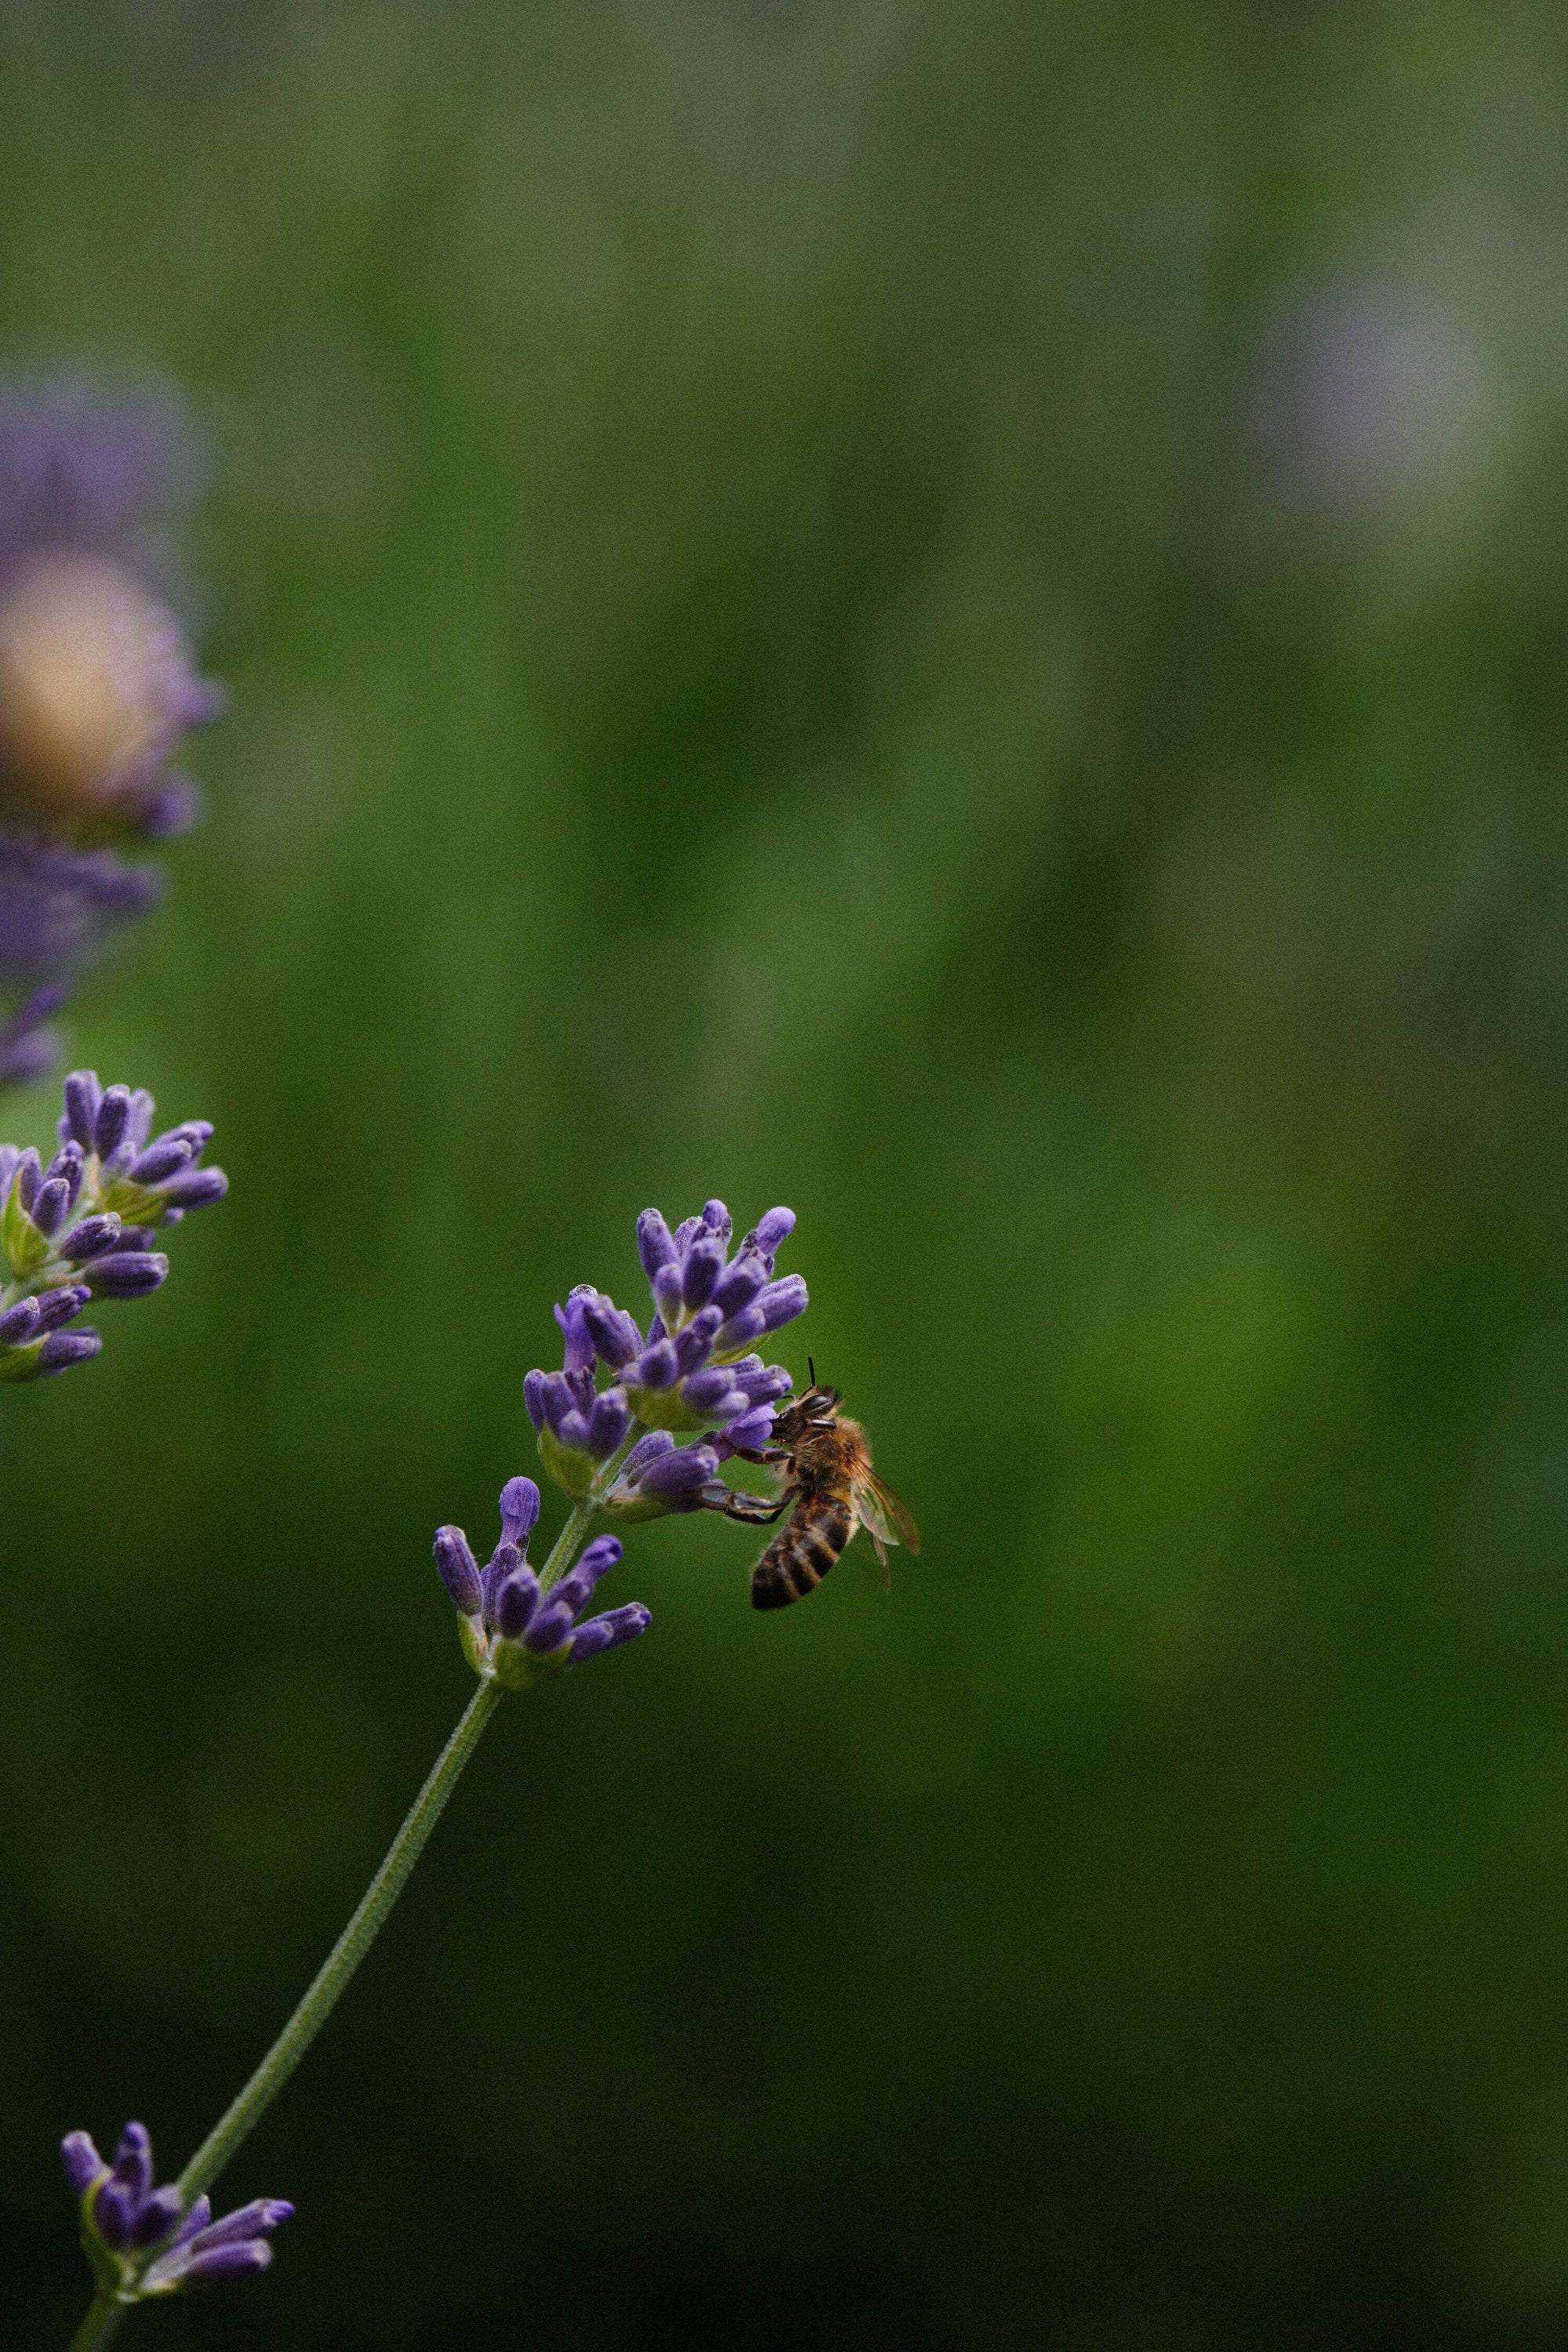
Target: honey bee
x=829 y=1490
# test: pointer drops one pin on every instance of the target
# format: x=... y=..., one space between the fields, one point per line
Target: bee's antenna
x=811 y=1367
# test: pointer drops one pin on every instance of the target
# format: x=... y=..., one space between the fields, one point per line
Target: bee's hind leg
x=752 y=1510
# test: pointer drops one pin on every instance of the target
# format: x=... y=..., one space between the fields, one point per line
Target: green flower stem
x=346 y=1953
x=332 y=1976
x=99 y=2326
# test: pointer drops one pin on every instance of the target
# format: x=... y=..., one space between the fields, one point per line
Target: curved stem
x=345 y=1955
x=99 y=2326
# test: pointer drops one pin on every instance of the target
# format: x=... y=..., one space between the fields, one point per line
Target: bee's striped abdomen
x=801 y=1554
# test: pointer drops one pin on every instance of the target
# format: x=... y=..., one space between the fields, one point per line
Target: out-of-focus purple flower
x=512 y=1627
x=97 y=684
x=140 y=2241
x=80 y=1228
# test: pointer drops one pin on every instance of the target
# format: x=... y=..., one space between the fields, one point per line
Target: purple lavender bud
x=518 y=1511
x=768 y=1235
x=695 y=1344
x=215 y=2263
x=83 y=1095
x=114 y=1119
x=29 y=1176
x=575 y=1329
x=686 y=1233
x=27 y=1053
x=18 y=1322
x=57 y=1306
x=112 y=2210
x=780 y=1302
x=92 y=1236
x=67 y=1162
x=550 y=1627
x=646 y=1451
x=655 y=1245
x=679 y=1470
x=746 y=1323
x=82 y=2160
x=741 y=1282
x=133 y=2159
x=62 y=1348
x=194 y=2222
x=504 y=1561
x=666 y=1295
x=576 y=1589
x=613 y=1331
x=161 y=1160
x=714 y=1391
x=534 y=1397
x=246 y=2221
x=459 y=1570
x=139 y=1126
x=10 y=1153
x=572 y=1429
x=608 y=1631
x=762 y=1382
x=699 y=1276
x=197 y=1132
x=749 y=1430
x=517 y=1604
x=196 y=1188
x=717 y=1219
x=128 y=1273
x=155 y=2217
x=657 y=1367
x=608 y=1424
x=51 y=1205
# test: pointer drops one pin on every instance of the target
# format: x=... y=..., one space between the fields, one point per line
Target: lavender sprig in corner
x=80 y=1228
x=143 y=2242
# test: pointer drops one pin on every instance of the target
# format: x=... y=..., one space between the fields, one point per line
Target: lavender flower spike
x=693 y=1372
x=140 y=2241
x=511 y=1628
x=80 y=1228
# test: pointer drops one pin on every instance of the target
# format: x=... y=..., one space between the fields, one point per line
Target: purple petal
x=612 y=1332
x=575 y=1329
x=156 y=2217
x=741 y=1282
x=57 y=1306
x=533 y=1396
x=519 y=1510
x=108 y=1129
x=459 y=1570
x=517 y=1604
x=746 y=1323
x=239 y=2261
x=695 y=1344
x=609 y=1423
x=113 y=2210
x=18 y=1323
x=246 y=2221
x=134 y=2159
x=83 y=1095
x=82 y=2160
x=769 y=1234
x=699 y=1276
x=608 y=1631
x=750 y=1429
x=550 y=1627
x=196 y=1188
x=780 y=1302
x=714 y=1391
x=29 y=1176
x=504 y=1561
x=54 y=1198
x=128 y=1273
x=679 y=1470
x=62 y=1348
x=93 y=1235
x=655 y=1245
x=161 y=1160
x=716 y=1217
x=646 y=1451
x=657 y=1368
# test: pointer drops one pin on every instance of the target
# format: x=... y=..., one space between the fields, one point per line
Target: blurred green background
x=956 y=615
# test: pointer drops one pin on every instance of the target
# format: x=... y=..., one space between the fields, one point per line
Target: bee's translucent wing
x=886 y=1519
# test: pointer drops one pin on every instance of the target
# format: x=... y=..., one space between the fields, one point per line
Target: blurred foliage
x=953 y=615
